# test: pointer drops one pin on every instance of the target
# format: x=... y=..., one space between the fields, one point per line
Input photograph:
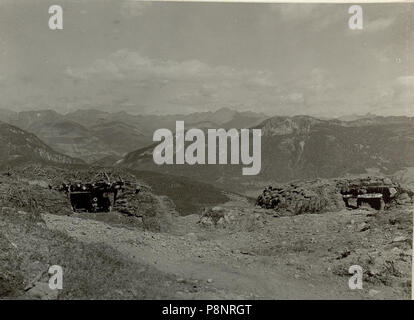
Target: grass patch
x=91 y=271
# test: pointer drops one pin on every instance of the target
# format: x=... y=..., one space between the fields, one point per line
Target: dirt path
x=231 y=274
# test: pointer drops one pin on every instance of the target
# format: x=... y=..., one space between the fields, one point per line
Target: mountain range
x=18 y=146
x=94 y=135
x=304 y=147
x=299 y=147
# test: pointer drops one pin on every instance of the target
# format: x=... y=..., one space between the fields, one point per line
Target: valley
x=207 y=232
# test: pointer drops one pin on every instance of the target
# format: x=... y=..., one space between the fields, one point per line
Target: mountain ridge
x=18 y=146
x=304 y=147
x=92 y=134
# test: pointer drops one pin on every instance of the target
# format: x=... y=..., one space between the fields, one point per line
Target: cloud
x=321 y=17
x=378 y=24
x=294 y=11
x=130 y=65
x=403 y=92
x=314 y=16
x=171 y=86
x=296 y=97
x=406 y=81
x=134 y=8
x=129 y=79
x=192 y=85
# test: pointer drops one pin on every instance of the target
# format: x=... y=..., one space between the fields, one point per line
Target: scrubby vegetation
x=91 y=271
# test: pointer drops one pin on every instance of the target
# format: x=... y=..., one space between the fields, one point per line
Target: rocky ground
x=234 y=250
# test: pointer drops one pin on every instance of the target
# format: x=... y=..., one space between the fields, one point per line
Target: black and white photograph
x=177 y=151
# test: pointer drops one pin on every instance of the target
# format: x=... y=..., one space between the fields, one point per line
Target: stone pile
x=324 y=195
x=302 y=197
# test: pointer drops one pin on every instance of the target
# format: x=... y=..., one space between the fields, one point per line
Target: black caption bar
x=182 y=309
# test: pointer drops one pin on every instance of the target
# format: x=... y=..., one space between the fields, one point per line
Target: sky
x=168 y=58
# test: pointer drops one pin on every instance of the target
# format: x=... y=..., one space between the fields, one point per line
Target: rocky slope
x=303 y=147
x=230 y=250
x=18 y=146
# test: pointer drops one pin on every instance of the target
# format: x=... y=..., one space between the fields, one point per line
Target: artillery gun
x=376 y=196
x=93 y=196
